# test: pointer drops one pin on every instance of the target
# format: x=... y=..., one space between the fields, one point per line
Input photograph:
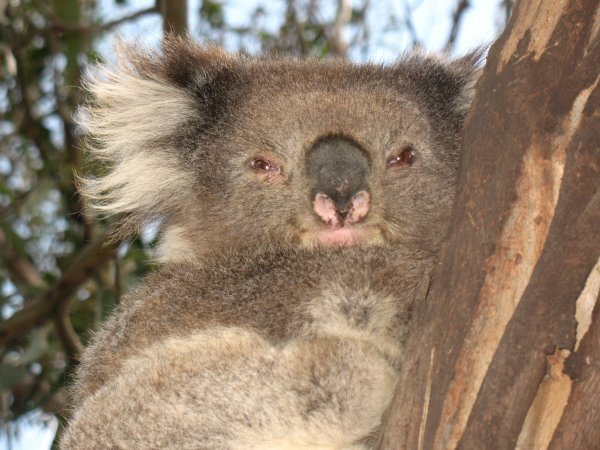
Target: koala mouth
x=341 y=237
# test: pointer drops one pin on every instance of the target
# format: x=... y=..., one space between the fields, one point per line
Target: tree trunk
x=507 y=349
x=174 y=14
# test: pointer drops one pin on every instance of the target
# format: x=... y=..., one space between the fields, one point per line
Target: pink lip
x=340 y=237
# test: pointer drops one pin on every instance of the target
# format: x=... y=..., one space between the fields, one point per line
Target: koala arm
x=230 y=388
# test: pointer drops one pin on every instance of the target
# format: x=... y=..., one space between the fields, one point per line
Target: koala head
x=232 y=151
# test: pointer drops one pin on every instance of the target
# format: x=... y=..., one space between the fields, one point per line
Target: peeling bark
x=501 y=357
x=547 y=407
x=578 y=428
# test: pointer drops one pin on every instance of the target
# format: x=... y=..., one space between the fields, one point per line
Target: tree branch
x=410 y=27
x=457 y=17
x=72 y=142
x=58 y=26
x=90 y=260
x=339 y=46
x=29 y=125
x=67 y=335
x=21 y=270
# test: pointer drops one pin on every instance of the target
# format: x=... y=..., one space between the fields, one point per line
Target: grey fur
x=284 y=349
x=190 y=119
x=252 y=335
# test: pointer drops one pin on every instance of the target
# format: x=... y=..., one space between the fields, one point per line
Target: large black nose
x=338 y=168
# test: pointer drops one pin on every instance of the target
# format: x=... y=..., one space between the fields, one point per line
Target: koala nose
x=338 y=170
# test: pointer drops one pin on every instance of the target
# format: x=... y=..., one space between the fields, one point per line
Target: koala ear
x=447 y=85
x=467 y=70
x=137 y=110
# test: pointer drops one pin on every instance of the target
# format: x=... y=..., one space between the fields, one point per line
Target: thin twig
x=410 y=27
x=67 y=335
x=58 y=26
x=457 y=17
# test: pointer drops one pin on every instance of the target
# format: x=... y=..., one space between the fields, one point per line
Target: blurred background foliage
x=59 y=274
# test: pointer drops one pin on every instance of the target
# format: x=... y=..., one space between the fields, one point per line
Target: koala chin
x=302 y=205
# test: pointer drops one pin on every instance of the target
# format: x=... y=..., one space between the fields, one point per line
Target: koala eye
x=262 y=165
x=405 y=157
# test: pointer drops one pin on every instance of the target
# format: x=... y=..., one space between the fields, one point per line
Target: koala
x=289 y=348
x=302 y=204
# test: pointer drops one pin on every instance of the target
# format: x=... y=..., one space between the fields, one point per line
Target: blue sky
x=431 y=20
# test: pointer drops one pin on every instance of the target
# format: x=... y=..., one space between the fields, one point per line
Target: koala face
x=233 y=152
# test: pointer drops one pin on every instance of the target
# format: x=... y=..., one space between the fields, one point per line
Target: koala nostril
x=360 y=206
x=326 y=210
x=352 y=212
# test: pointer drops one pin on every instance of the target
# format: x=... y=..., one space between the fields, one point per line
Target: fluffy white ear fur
x=127 y=122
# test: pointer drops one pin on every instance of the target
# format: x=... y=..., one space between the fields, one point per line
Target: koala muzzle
x=338 y=170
